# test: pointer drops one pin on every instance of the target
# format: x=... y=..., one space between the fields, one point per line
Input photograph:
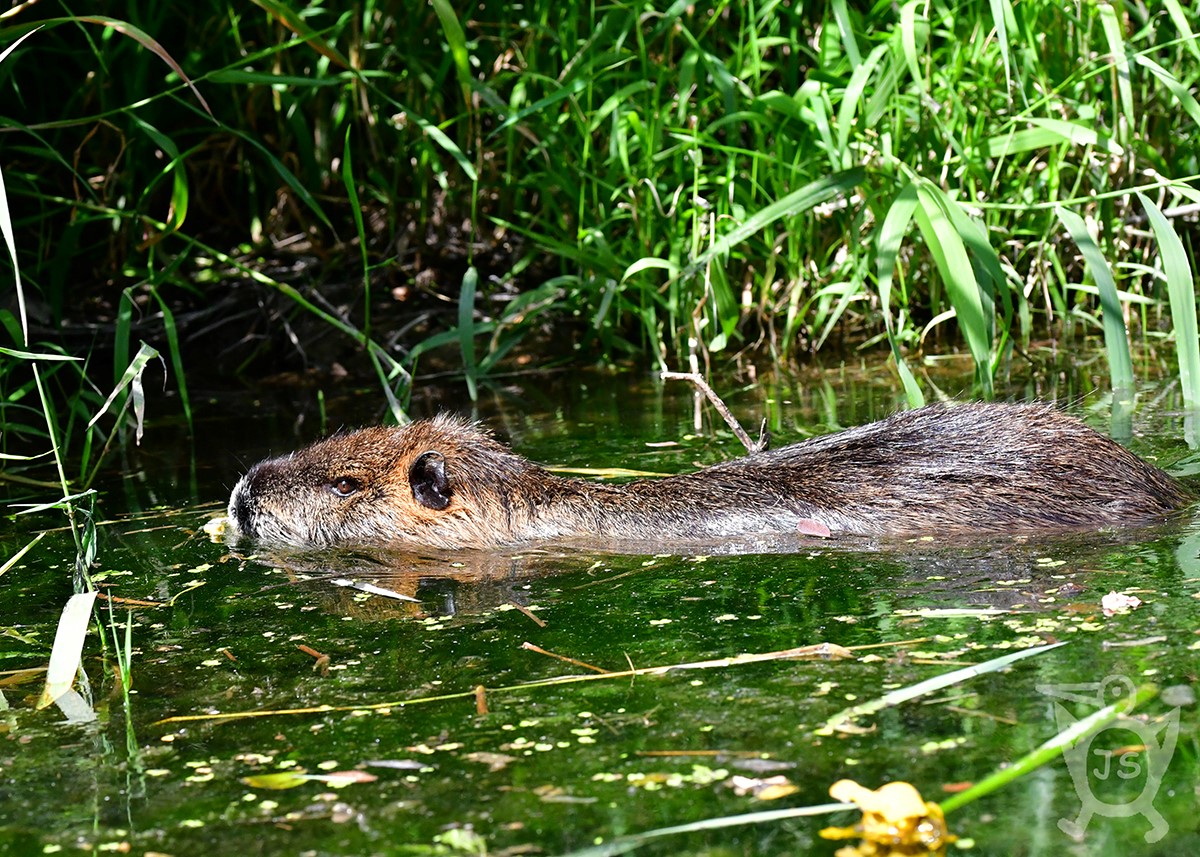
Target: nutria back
x=966 y=469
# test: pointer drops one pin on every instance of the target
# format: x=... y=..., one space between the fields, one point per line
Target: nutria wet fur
x=939 y=470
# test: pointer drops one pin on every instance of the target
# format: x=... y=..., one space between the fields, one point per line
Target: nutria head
x=438 y=483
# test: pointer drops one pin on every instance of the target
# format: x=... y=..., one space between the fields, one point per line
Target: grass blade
x=1002 y=20
x=846 y=32
x=891 y=235
x=1116 y=341
x=1056 y=746
x=790 y=205
x=914 y=31
x=146 y=41
x=44 y=355
x=15 y=558
x=1179 y=19
x=291 y=19
x=845 y=717
x=466 y=329
x=1181 y=290
x=6 y=229
x=1114 y=34
x=850 y=102
x=633 y=841
x=1178 y=89
x=457 y=40
x=132 y=379
x=1044 y=134
x=950 y=254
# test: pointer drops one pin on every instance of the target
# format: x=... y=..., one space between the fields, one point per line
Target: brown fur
x=969 y=469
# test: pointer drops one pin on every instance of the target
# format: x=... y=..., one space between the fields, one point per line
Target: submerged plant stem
x=1054 y=747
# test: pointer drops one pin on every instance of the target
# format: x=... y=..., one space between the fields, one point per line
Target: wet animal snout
x=241 y=501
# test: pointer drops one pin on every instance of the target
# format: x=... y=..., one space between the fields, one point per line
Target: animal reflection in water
x=825 y=578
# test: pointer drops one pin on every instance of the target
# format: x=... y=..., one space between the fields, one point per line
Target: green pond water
x=389 y=689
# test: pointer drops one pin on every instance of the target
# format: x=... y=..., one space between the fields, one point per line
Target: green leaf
x=1055 y=747
x=466 y=329
x=1114 y=33
x=573 y=88
x=788 y=206
x=457 y=41
x=846 y=32
x=132 y=379
x=1044 y=134
x=31 y=355
x=1179 y=19
x=847 y=716
x=887 y=244
x=850 y=102
x=291 y=19
x=640 y=265
x=1181 y=289
x=891 y=235
x=1181 y=92
x=1116 y=341
x=1002 y=20
x=277 y=781
x=914 y=31
x=950 y=255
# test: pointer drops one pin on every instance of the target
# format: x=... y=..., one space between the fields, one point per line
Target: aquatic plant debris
x=896 y=820
x=1117 y=602
x=292 y=779
x=65 y=657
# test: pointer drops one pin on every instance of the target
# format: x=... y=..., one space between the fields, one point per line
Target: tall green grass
x=934 y=175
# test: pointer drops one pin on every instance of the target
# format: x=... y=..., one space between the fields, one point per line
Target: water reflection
x=1001 y=574
x=214 y=629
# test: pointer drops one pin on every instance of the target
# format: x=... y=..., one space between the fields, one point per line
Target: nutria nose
x=240 y=510
x=241 y=505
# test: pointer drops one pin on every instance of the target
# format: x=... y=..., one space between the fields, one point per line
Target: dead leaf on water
x=337 y=779
x=67 y=651
x=215 y=528
x=763 y=788
x=494 y=761
x=1118 y=602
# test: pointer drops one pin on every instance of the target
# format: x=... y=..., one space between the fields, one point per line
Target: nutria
x=940 y=470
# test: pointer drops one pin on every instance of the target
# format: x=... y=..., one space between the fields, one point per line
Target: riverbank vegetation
x=254 y=187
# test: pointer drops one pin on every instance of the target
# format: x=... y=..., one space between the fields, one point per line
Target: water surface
x=521 y=768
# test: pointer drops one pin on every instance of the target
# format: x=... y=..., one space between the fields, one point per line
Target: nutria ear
x=428 y=479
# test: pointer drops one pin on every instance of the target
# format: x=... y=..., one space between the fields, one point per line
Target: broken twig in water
x=722 y=409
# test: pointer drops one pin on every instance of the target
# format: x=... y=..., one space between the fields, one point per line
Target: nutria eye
x=344 y=486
